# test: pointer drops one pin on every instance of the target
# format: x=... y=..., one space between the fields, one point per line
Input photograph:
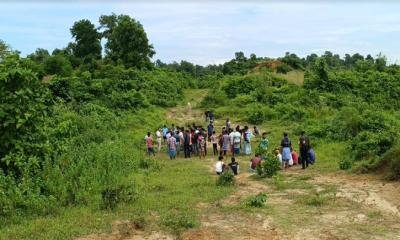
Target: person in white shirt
x=279 y=156
x=219 y=166
x=159 y=139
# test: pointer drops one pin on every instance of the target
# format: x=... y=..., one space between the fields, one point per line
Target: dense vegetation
x=66 y=118
x=352 y=101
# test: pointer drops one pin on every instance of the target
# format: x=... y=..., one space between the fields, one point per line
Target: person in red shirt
x=254 y=162
x=295 y=157
x=149 y=143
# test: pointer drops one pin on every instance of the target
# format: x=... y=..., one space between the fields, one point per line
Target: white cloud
x=211 y=32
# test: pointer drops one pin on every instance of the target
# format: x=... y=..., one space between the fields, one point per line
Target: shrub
x=258 y=113
x=257 y=200
x=179 y=221
x=283 y=69
x=269 y=167
x=316 y=200
x=345 y=163
x=369 y=144
x=390 y=162
x=112 y=195
x=227 y=178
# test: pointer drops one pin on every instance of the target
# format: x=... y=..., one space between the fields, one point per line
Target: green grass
x=295 y=76
x=167 y=198
x=167 y=193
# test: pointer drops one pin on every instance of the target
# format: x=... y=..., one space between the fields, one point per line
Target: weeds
x=257 y=200
x=227 y=178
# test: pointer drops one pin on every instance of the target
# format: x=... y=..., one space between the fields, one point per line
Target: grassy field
x=180 y=198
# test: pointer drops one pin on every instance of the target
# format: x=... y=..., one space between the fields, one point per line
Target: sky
x=210 y=32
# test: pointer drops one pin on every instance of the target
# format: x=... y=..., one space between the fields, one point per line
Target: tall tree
x=87 y=40
x=126 y=41
x=4 y=50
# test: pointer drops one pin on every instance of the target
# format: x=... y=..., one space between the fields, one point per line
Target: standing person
x=149 y=143
x=304 y=146
x=295 y=157
x=202 y=146
x=210 y=129
x=195 y=143
x=256 y=132
x=212 y=116
x=247 y=140
x=225 y=143
x=181 y=139
x=214 y=142
x=234 y=166
x=286 y=145
x=178 y=142
x=172 y=147
x=235 y=141
x=165 y=131
x=186 y=143
x=278 y=155
x=228 y=123
x=159 y=136
x=206 y=114
x=264 y=143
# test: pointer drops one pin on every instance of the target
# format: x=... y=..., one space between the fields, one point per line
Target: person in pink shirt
x=295 y=157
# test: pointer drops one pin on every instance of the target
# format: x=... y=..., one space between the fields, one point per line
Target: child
x=295 y=157
x=202 y=146
x=214 y=141
x=278 y=155
x=219 y=166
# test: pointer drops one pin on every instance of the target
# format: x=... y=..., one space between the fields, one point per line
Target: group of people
x=193 y=141
x=285 y=154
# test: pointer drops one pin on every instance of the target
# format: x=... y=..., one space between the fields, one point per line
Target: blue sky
x=210 y=32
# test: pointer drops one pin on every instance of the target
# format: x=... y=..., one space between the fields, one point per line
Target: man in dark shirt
x=304 y=145
x=234 y=166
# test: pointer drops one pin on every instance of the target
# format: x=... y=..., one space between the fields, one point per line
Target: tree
x=126 y=41
x=87 y=41
x=58 y=64
x=380 y=62
x=4 y=50
x=22 y=109
x=39 y=56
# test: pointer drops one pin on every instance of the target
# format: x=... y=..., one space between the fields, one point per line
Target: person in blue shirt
x=165 y=131
x=210 y=130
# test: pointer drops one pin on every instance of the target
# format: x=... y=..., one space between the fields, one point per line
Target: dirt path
x=300 y=205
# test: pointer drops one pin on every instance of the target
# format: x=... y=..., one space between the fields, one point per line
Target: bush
x=258 y=114
x=390 y=162
x=257 y=200
x=367 y=145
x=269 y=167
x=227 y=178
x=179 y=221
x=283 y=69
x=345 y=163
